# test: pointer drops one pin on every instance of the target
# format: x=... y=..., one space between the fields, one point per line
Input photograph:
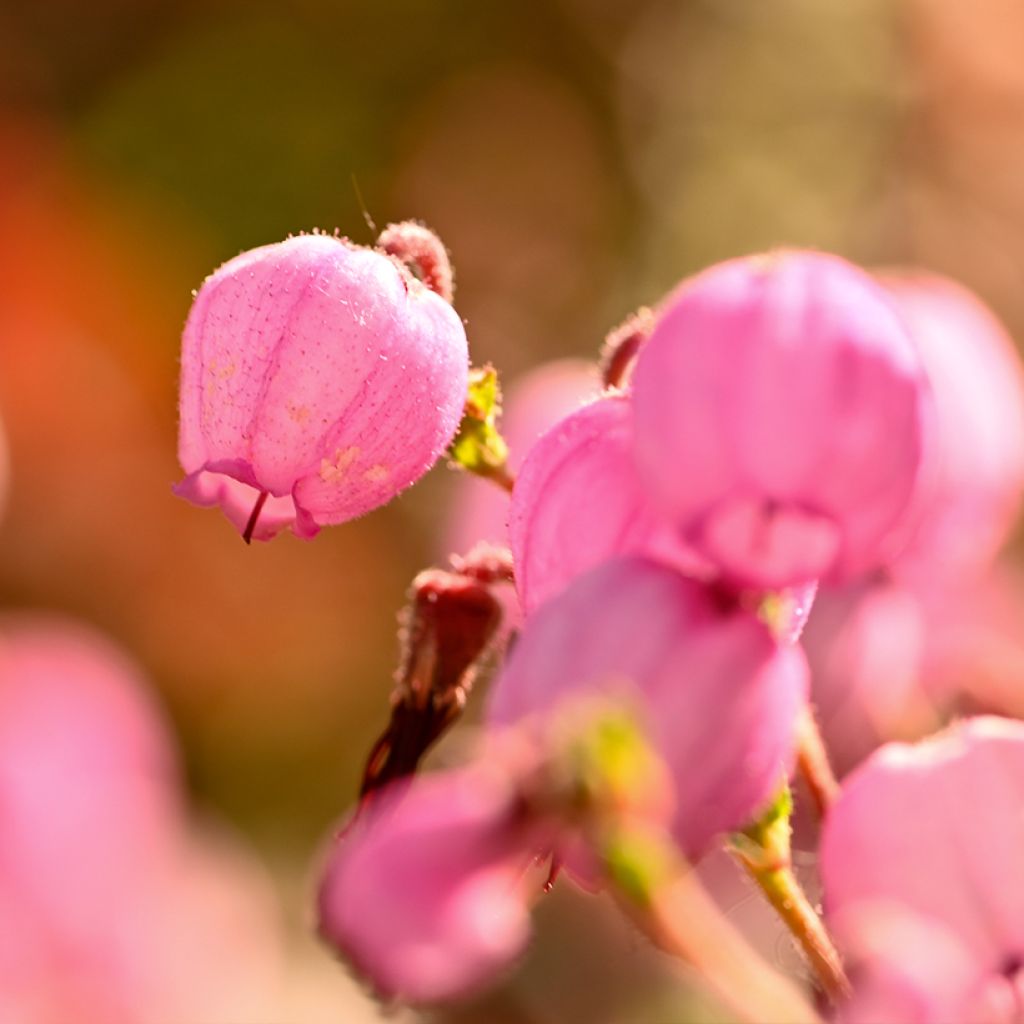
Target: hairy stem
x=683 y=920
x=786 y=895
x=813 y=763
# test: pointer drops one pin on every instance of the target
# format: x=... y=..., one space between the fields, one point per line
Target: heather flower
x=866 y=644
x=578 y=502
x=719 y=696
x=425 y=891
x=978 y=383
x=318 y=380
x=779 y=418
x=924 y=883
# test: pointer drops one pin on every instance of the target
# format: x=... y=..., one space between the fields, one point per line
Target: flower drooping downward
x=318 y=379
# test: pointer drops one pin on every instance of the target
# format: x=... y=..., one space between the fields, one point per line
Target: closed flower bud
x=318 y=380
x=780 y=414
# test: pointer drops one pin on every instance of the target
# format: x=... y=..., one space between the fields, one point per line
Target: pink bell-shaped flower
x=779 y=417
x=578 y=502
x=923 y=878
x=318 y=379
x=719 y=696
x=424 y=893
x=978 y=383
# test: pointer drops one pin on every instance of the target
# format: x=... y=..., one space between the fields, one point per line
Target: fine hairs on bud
x=618 y=353
x=421 y=252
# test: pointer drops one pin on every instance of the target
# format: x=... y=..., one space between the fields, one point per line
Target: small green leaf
x=478 y=446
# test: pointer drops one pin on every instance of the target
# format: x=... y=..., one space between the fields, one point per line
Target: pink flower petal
x=978 y=383
x=423 y=893
x=779 y=417
x=578 y=502
x=937 y=828
x=720 y=696
x=319 y=372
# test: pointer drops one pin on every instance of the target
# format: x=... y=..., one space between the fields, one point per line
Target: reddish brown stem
x=254 y=516
x=621 y=347
x=813 y=763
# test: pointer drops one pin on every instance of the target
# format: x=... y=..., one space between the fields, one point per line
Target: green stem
x=664 y=896
x=786 y=895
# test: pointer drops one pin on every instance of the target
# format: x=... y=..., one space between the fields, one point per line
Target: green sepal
x=764 y=843
x=478 y=446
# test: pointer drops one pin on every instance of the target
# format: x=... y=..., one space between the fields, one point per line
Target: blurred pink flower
x=321 y=373
x=110 y=908
x=424 y=893
x=978 y=383
x=779 y=417
x=923 y=878
x=717 y=693
x=578 y=502
x=866 y=644
x=893 y=658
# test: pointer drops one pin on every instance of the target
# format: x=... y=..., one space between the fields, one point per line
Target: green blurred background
x=577 y=156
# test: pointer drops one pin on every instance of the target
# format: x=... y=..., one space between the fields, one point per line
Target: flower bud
x=779 y=417
x=318 y=379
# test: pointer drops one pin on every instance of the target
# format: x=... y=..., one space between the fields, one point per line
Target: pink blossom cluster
x=778 y=425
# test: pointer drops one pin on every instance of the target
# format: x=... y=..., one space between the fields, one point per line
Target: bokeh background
x=578 y=157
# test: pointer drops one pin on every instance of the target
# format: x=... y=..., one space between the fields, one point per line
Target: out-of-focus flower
x=111 y=908
x=718 y=695
x=318 y=379
x=866 y=644
x=780 y=415
x=924 y=884
x=978 y=384
x=424 y=893
x=892 y=658
x=578 y=502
